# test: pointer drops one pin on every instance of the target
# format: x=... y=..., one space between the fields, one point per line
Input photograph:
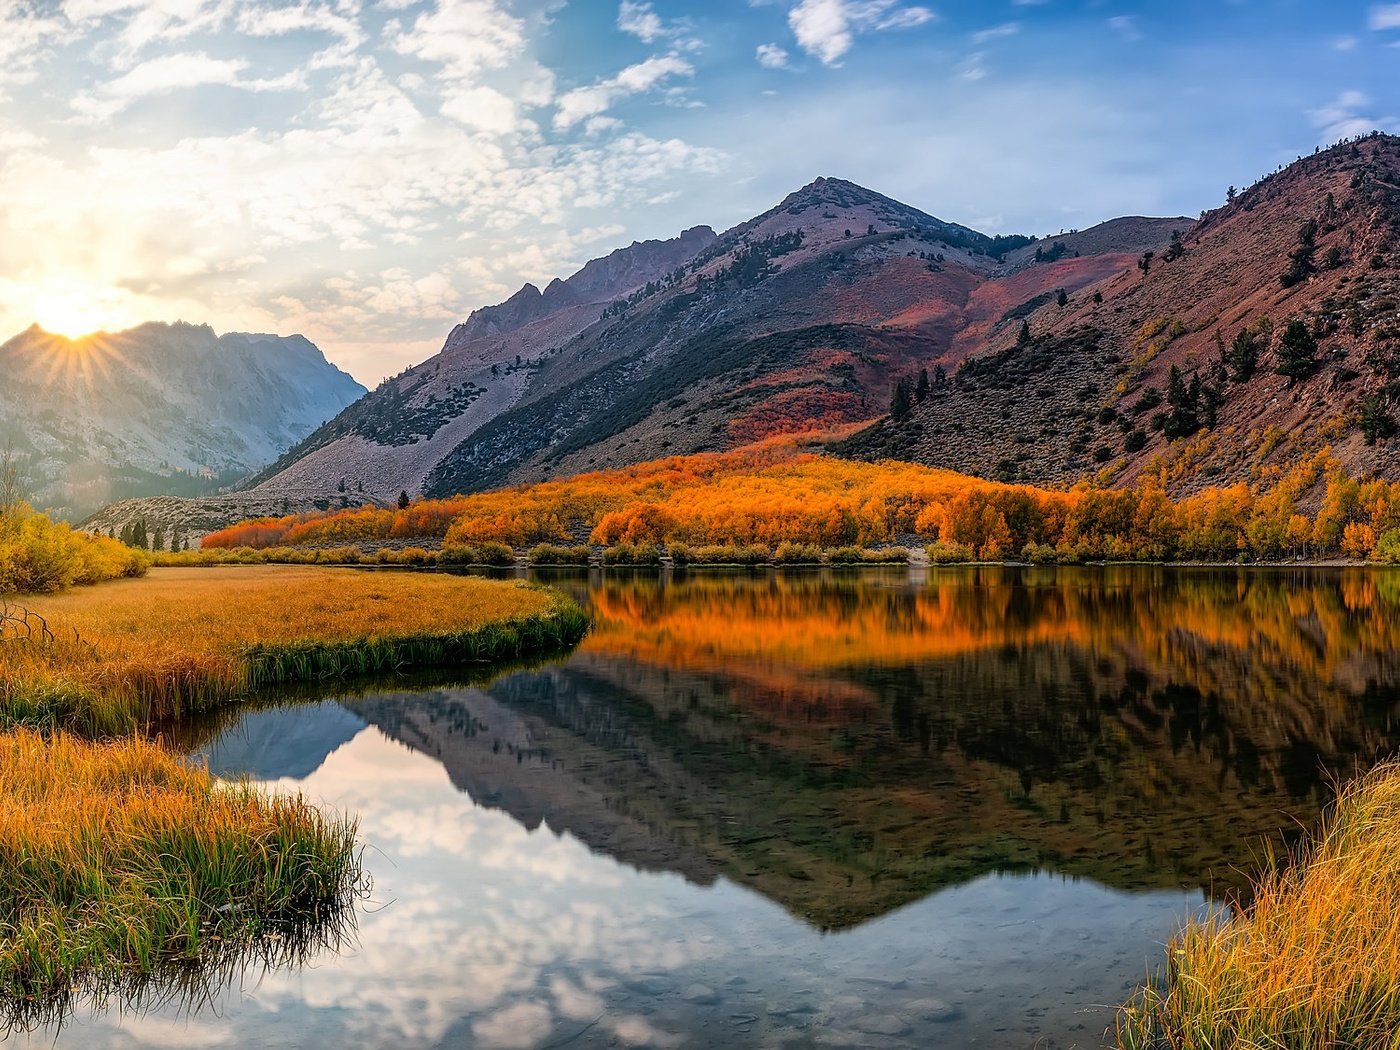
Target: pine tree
x=1243 y=357
x=921 y=391
x=403 y=501
x=1184 y=401
x=1062 y=299
x=900 y=401
x=158 y=541
x=1375 y=422
x=1024 y=336
x=1297 y=353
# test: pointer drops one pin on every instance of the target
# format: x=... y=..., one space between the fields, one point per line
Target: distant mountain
x=796 y=320
x=161 y=408
x=1317 y=243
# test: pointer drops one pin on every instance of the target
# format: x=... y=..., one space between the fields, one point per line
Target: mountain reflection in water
x=1003 y=787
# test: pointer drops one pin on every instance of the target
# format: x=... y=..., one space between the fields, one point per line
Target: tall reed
x=120 y=861
x=1313 y=961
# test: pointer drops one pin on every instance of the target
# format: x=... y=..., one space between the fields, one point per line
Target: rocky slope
x=159 y=408
x=1092 y=389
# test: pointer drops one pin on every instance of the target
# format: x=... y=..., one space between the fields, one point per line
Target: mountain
x=393 y=438
x=1316 y=243
x=158 y=408
x=796 y=320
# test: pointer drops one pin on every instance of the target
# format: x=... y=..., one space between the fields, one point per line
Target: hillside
x=1092 y=388
x=796 y=320
x=157 y=409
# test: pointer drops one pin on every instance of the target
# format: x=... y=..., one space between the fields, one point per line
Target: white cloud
x=24 y=38
x=464 y=37
x=584 y=102
x=828 y=28
x=641 y=21
x=1348 y=115
x=771 y=56
x=267 y=21
x=175 y=72
x=1001 y=32
x=148 y=22
x=1384 y=16
x=638 y=18
x=483 y=108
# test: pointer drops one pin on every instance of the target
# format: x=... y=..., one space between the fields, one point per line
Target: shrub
x=869 y=556
x=797 y=554
x=552 y=554
x=731 y=554
x=40 y=556
x=487 y=553
x=632 y=554
x=1388 y=547
x=949 y=553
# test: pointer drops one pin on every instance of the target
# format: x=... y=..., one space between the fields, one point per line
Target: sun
x=75 y=309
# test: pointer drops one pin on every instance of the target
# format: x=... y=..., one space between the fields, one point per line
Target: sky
x=367 y=172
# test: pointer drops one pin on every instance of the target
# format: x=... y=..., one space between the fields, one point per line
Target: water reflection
x=999 y=788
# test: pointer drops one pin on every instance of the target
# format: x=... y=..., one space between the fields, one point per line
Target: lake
x=873 y=808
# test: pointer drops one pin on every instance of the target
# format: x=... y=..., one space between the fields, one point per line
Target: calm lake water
x=961 y=808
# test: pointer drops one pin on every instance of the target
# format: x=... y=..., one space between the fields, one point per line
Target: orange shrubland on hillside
x=775 y=491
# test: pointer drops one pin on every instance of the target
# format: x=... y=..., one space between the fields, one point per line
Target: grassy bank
x=120 y=655
x=121 y=860
x=1313 y=962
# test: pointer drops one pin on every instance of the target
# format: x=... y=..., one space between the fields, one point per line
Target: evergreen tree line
x=138 y=535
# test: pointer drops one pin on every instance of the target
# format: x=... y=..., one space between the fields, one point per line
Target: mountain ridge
x=157 y=405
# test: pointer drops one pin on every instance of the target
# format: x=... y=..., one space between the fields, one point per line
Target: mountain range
x=1112 y=351
x=158 y=408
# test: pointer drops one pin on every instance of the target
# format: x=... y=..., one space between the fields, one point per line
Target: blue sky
x=368 y=171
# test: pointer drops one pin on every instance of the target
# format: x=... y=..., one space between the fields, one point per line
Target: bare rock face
x=161 y=408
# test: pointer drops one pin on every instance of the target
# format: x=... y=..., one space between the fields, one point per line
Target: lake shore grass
x=115 y=657
x=123 y=863
x=1312 y=961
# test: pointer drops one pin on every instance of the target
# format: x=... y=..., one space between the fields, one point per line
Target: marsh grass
x=128 y=871
x=1313 y=962
x=128 y=654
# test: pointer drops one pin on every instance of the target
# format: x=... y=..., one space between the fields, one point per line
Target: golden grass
x=120 y=861
x=127 y=653
x=1313 y=963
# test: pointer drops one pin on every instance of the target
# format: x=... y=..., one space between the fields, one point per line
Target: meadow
x=121 y=862
x=123 y=655
x=1312 y=961
x=774 y=494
